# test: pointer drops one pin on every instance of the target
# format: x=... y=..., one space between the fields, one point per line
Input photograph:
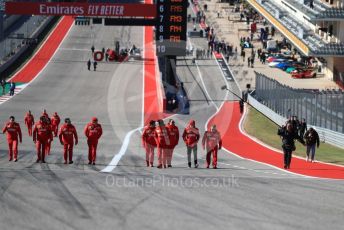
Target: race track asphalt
x=240 y=194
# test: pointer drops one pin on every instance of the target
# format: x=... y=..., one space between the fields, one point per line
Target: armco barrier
x=326 y=135
x=24 y=48
x=9 y=21
x=14 y=58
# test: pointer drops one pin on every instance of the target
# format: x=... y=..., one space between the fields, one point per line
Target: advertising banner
x=81 y=9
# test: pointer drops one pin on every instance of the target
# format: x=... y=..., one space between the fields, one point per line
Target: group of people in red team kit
x=166 y=137
x=43 y=132
x=160 y=137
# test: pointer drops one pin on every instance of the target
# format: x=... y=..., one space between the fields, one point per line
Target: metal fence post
x=337 y=109
x=311 y=97
x=342 y=106
x=316 y=109
x=276 y=95
x=331 y=110
x=269 y=93
x=294 y=103
x=326 y=112
x=321 y=108
x=290 y=102
x=258 y=87
x=299 y=105
x=279 y=102
x=265 y=89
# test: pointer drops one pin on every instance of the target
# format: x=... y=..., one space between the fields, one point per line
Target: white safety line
x=240 y=125
x=256 y=170
x=253 y=139
x=205 y=88
x=235 y=80
x=114 y=162
x=262 y=143
x=272 y=148
x=225 y=98
x=217 y=111
x=75 y=49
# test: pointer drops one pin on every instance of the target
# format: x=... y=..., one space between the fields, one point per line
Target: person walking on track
x=93 y=131
x=288 y=136
x=42 y=134
x=312 y=139
x=148 y=142
x=162 y=141
x=13 y=131
x=29 y=122
x=191 y=137
x=211 y=142
x=173 y=133
x=55 y=121
x=67 y=135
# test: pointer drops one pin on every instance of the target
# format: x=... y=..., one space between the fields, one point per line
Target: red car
x=304 y=73
x=280 y=57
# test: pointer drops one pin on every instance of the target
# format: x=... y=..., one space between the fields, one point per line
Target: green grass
x=259 y=126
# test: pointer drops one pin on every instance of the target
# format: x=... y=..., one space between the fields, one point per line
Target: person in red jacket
x=45 y=114
x=29 y=122
x=173 y=133
x=148 y=142
x=67 y=135
x=48 y=145
x=191 y=137
x=162 y=140
x=55 y=121
x=42 y=134
x=211 y=142
x=12 y=129
x=48 y=121
x=93 y=131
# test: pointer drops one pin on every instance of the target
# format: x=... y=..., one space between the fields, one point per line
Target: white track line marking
x=265 y=145
x=205 y=88
x=218 y=109
x=272 y=148
x=74 y=49
x=114 y=162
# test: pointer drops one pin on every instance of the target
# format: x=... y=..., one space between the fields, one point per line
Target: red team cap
x=94 y=119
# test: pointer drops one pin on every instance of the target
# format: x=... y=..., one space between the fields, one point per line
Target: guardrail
x=326 y=135
x=24 y=48
x=10 y=20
